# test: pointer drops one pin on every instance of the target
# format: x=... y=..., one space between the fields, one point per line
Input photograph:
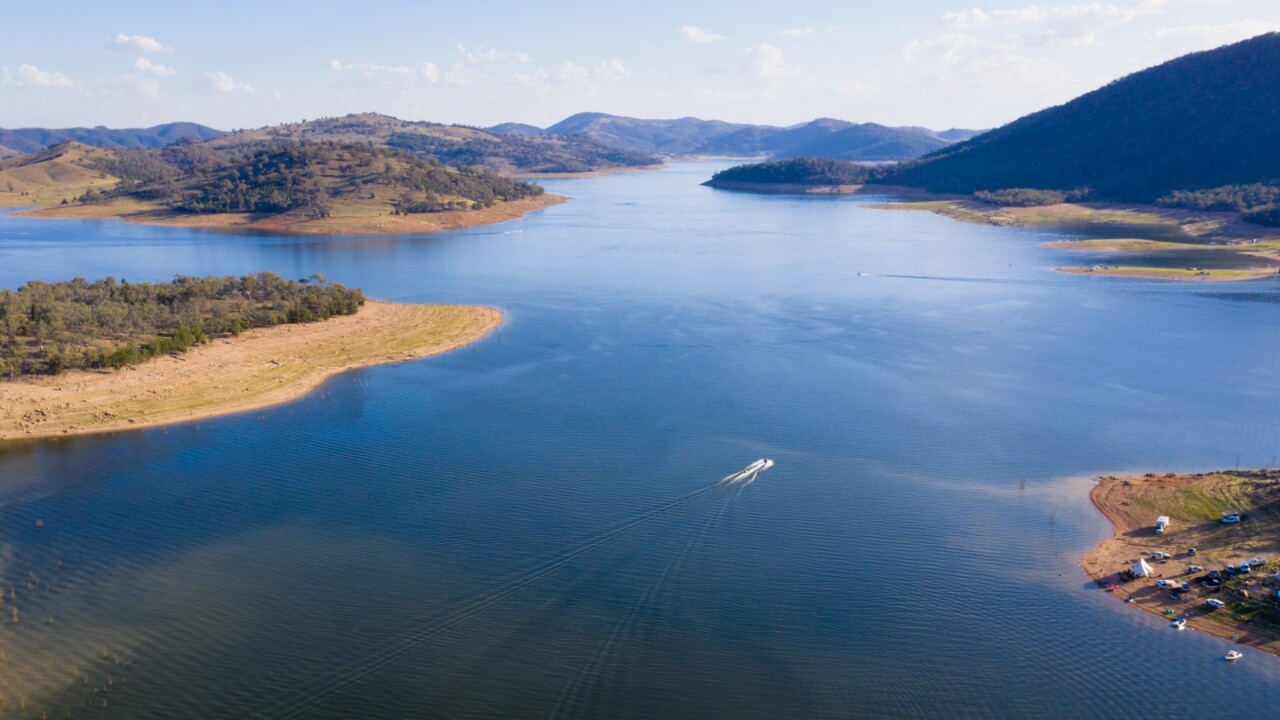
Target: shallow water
x=531 y=526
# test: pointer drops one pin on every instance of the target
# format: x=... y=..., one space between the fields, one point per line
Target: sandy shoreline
x=258 y=369
x=362 y=224
x=1194 y=504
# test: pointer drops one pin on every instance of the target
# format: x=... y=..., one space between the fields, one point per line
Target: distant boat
x=1232 y=656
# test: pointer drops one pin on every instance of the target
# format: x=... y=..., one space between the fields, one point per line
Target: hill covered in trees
x=824 y=137
x=298 y=180
x=454 y=145
x=21 y=141
x=310 y=178
x=46 y=328
x=806 y=172
x=1198 y=131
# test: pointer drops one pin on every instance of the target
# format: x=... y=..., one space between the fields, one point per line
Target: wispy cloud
x=221 y=82
x=1063 y=25
x=797 y=32
x=1201 y=37
x=144 y=65
x=767 y=61
x=695 y=34
x=136 y=43
x=32 y=76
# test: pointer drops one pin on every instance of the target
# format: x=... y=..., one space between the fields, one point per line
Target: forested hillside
x=46 y=328
x=1198 y=131
x=310 y=178
x=454 y=145
x=799 y=171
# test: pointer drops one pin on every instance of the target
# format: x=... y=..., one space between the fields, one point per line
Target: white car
x=1255 y=562
x=1215 y=603
x=1230 y=519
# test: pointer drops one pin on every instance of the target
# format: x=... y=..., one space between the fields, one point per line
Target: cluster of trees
x=799 y=171
x=560 y=153
x=50 y=327
x=1240 y=198
x=1028 y=197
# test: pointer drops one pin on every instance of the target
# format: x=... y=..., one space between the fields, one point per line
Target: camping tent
x=1142 y=569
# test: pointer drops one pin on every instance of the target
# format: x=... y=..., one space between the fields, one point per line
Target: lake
x=532 y=526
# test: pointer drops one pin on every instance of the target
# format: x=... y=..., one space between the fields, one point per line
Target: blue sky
x=937 y=63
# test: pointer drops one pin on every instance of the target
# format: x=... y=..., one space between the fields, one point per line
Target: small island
x=80 y=357
x=795 y=176
x=323 y=187
x=1212 y=540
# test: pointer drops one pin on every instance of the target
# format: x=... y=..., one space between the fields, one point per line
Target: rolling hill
x=49 y=176
x=306 y=186
x=27 y=140
x=824 y=137
x=455 y=145
x=1182 y=133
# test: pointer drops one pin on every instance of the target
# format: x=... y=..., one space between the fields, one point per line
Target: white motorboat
x=1232 y=656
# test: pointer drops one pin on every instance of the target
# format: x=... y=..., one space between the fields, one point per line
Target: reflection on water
x=533 y=526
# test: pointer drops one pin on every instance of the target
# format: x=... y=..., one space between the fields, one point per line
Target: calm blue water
x=530 y=528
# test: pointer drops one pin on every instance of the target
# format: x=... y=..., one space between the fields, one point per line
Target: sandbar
x=258 y=369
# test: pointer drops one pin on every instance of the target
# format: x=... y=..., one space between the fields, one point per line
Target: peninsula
x=302 y=186
x=1216 y=523
x=261 y=342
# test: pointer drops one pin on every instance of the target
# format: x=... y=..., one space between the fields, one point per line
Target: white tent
x=1142 y=569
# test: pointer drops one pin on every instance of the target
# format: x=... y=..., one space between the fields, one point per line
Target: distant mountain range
x=1209 y=120
x=27 y=140
x=580 y=143
x=824 y=137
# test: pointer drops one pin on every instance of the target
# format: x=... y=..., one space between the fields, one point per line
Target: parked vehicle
x=1215 y=603
x=1230 y=519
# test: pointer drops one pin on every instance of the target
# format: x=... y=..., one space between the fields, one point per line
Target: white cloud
x=798 y=32
x=136 y=43
x=766 y=61
x=431 y=72
x=1060 y=25
x=1189 y=38
x=611 y=69
x=695 y=34
x=490 y=56
x=144 y=65
x=221 y=82
x=571 y=72
x=32 y=76
x=374 y=74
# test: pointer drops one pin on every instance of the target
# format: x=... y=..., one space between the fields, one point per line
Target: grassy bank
x=258 y=369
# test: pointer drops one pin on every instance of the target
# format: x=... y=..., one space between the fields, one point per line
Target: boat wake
x=369 y=668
